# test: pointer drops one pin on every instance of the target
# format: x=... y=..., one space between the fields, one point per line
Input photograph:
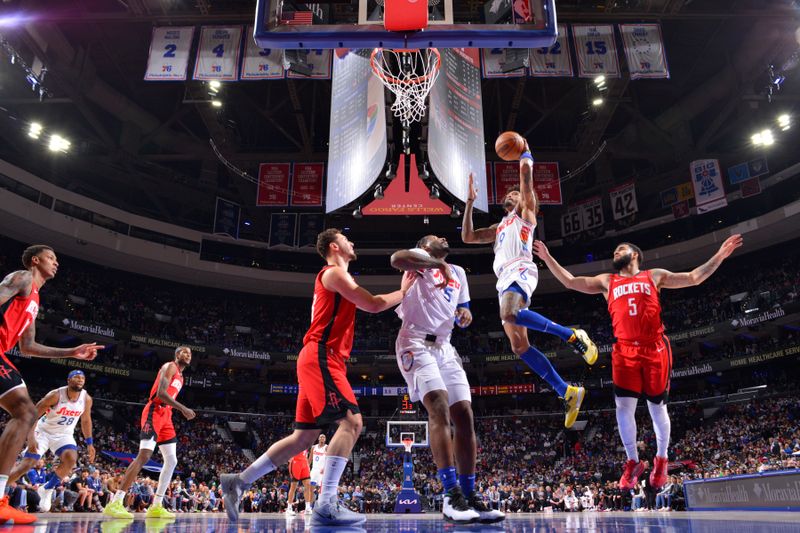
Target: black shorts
x=10 y=378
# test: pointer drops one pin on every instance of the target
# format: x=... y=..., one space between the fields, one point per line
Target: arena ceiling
x=143 y=146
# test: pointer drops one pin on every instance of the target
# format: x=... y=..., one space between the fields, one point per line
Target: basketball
x=509 y=145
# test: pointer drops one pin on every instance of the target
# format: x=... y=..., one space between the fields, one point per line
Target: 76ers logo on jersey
x=525 y=234
x=407 y=360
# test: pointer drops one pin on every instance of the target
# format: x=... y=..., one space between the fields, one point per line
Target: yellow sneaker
x=117 y=510
x=573 y=400
x=158 y=511
x=583 y=345
x=115 y=526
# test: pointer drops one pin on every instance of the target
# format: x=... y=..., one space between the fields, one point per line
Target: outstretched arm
x=468 y=234
x=530 y=203
x=28 y=346
x=664 y=279
x=336 y=279
x=589 y=285
x=411 y=261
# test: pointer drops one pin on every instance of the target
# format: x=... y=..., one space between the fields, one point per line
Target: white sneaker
x=308 y=509
x=232 y=489
x=45 y=499
x=335 y=514
x=487 y=514
x=289 y=511
x=456 y=509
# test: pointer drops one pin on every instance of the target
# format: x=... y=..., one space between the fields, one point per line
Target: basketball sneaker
x=583 y=345
x=308 y=509
x=232 y=489
x=290 y=511
x=335 y=514
x=487 y=515
x=630 y=476
x=10 y=516
x=45 y=498
x=158 y=511
x=456 y=509
x=117 y=510
x=573 y=399
x=658 y=476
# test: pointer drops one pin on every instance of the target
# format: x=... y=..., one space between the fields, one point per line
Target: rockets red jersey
x=332 y=319
x=635 y=308
x=173 y=389
x=20 y=313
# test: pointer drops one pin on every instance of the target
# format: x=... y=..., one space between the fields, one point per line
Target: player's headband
x=75 y=373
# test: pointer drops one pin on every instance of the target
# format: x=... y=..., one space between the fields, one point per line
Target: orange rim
x=410 y=81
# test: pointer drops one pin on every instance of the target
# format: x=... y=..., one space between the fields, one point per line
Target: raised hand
x=731 y=243
x=86 y=352
x=473 y=190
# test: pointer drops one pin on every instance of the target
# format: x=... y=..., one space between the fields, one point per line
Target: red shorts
x=325 y=394
x=642 y=369
x=299 y=470
x=156 y=424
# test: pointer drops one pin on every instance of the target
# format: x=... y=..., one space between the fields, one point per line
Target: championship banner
x=169 y=53
x=623 y=201
x=679 y=193
x=273 y=184
x=307 y=184
x=226 y=218
x=555 y=61
x=587 y=215
x=547 y=183
x=644 y=49
x=506 y=175
x=260 y=63
x=218 y=53
x=320 y=63
x=493 y=62
x=596 y=50
x=282 y=229
x=707 y=181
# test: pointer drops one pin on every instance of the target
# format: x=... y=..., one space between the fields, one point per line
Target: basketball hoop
x=407 y=444
x=410 y=75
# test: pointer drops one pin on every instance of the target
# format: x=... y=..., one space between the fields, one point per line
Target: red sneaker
x=658 y=476
x=630 y=476
x=9 y=515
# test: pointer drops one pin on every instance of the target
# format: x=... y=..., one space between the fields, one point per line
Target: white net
x=410 y=75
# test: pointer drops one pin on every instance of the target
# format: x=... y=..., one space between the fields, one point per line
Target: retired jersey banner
x=707 y=182
x=307 y=184
x=273 y=184
x=644 y=48
x=493 y=61
x=282 y=229
x=218 y=53
x=261 y=63
x=596 y=50
x=554 y=61
x=226 y=218
x=169 y=53
x=547 y=183
x=623 y=201
x=320 y=63
x=586 y=215
x=750 y=187
x=678 y=193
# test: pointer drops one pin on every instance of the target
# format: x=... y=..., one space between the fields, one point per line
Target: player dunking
x=641 y=360
x=434 y=373
x=325 y=394
x=58 y=413
x=517 y=277
x=299 y=474
x=157 y=428
x=19 y=294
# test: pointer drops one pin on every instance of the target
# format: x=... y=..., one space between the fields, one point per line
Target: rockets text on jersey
x=635 y=308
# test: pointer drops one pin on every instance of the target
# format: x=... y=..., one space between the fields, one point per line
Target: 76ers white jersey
x=318 y=456
x=432 y=309
x=513 y=241
x=62 y=418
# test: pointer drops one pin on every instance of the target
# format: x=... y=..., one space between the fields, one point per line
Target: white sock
x=170 y=455
x=119 y=495
x=334 y=468
x=661 y=425
x=3 y=481
x=626 y=422
x=260 y=467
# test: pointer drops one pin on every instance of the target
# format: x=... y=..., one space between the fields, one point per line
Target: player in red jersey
x=299 y=472
x=157 y=428
x=641 y=360
x=19 y=295
x=325 y=395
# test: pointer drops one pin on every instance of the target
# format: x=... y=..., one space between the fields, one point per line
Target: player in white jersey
x=317 y=459
x=58 y=414
x=517 y=277
x=434 y=373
